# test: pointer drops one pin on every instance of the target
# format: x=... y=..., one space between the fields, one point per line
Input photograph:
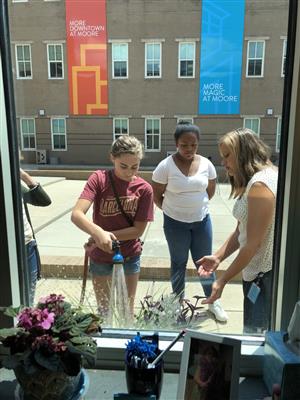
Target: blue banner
x=222 y=29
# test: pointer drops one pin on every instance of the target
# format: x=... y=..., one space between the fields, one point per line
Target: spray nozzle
x=117 y=257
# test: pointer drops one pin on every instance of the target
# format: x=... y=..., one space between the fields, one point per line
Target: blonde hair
x=251 y=155
x=126 y=144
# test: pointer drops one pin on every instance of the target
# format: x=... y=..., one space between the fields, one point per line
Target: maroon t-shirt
x=136 y=198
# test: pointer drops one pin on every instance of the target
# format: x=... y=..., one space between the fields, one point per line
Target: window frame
x=252 y=117
x=179 y=59
x=291 y=126
x=153 y=60
x=22 y=134
x=263 y=58
x=148 y=118
x=64 y=118
x=49 y=62
x=17 y=61
x=119 y=43
x=115 y=136
x=278 y=133
x=283 y=60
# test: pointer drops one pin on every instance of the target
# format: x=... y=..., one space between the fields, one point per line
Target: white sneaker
x=216 y=309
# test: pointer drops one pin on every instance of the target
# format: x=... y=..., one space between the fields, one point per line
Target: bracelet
x=33 y=186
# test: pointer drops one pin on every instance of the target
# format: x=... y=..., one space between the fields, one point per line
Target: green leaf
x=13 y=311
x=6 y=332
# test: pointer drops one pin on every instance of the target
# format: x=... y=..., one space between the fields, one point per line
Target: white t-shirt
x=27 y=228
x=262 y=260
x=185 y=197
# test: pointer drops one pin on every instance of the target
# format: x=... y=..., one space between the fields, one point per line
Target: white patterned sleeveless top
x=262 y=260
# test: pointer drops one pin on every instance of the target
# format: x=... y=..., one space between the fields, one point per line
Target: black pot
x=145 y=381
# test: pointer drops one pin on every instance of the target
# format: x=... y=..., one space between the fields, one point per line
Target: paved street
x=60 y=244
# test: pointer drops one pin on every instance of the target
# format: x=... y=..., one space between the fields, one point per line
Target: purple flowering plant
x=53 y=335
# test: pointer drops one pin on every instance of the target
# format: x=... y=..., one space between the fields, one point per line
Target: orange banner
x=87 y=57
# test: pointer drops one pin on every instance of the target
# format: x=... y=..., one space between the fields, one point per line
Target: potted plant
x=48 y=345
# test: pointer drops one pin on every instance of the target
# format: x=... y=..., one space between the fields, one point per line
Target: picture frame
x=209 y=367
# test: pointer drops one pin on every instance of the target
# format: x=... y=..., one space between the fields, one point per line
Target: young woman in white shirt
x=183 y=183
x=253 y=181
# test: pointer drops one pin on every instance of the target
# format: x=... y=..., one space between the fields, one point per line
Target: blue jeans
x=257 y=315
x=183 y=237
x=131 y=266
x=32 y=263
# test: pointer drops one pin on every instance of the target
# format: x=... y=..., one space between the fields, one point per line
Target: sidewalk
x=61 y=249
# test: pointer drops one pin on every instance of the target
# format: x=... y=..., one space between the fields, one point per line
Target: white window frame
x=283 y=61
x=252 y=117
x=263 y=58
x=58 y=134
x=179 y=59
x=278 y=133
x=33 y=134
x=153 y=117
x=49 y=62
x=116 y=135
x=113 y=61
x=146 y=60
x=19 y=1
x=17 y=61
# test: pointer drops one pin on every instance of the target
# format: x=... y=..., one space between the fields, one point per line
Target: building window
x=23 y=61
x=120 y=60
x=255 y=58
x=278 y=134
x=186 y=60
x=283 y=58
x=152 y=134
x=120 y=127
x=55 y=61
x=252 y=123
x=152 y=60
x=58 y=134
x=27 y=129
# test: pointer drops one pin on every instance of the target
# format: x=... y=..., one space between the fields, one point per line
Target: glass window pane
x=156 y=52
x=26 y=53
x=149 y=142
x=27 y=69
x=156 y=142
x=190 y=51
x=259 y=50
x=183 y=51
x=252 y=48
x=58 y=52
x=51 y=53
x=150 y=52
x=20 y=53
x=31 y=125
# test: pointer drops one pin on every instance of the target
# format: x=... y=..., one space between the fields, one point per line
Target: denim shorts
x=132 y=265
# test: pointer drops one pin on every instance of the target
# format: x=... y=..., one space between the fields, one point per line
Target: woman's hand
x=103 y=240
x=207 y=265
x=216 y=293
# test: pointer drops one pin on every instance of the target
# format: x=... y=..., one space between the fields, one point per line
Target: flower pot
x=50 y=385
x=144 y=381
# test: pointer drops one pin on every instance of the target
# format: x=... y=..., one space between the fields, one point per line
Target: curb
x=152 y=269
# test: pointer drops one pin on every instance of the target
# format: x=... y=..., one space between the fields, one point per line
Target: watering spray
x=119 y=311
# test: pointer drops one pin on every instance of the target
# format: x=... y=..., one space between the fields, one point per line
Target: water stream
x=119 y=314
